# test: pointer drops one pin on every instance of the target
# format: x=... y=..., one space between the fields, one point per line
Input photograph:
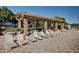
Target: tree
x=7 y=15
x=78 y=25
x=60 y=18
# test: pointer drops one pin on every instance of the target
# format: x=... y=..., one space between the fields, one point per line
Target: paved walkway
x=67 y=42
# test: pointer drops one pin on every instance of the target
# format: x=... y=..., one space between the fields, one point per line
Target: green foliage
x=50 y=24
x=40 y=24
x=58 y=17
x=6 y=15
x=31 y=24
x=61 y=18
x=77 y=24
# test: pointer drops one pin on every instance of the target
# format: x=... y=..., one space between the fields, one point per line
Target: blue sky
x=70 y=13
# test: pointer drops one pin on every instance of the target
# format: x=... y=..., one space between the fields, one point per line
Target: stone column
x=36 y=24
x=56 y=25
x=25 y=25
x=62 y=26
x=46 y=25
x=69 y=27
x=19 y=23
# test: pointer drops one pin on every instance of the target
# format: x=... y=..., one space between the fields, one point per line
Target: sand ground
x=67 y=42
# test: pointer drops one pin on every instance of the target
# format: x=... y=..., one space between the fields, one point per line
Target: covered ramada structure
x=25 y=18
